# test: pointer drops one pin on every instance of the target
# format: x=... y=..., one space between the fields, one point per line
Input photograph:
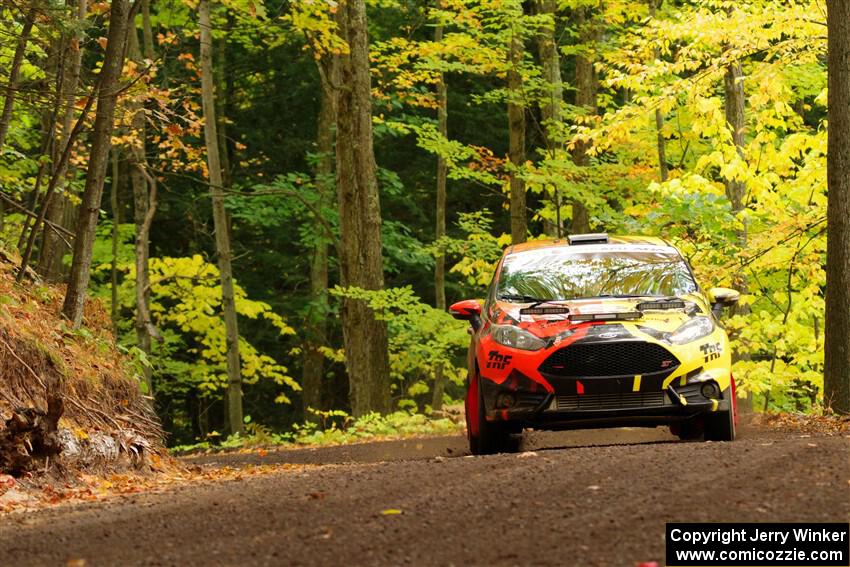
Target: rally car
x=597 y=331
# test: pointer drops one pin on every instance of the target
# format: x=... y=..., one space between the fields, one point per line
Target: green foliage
x=421 y=339
x=336 y=428
x=186 y=296
x=479 y=250
x=186 y=309
x=270 y=60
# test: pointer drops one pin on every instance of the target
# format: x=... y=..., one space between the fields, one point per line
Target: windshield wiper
x=519 y=298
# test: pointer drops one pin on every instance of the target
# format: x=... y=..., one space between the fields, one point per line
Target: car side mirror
x=467 y=310
x=721 y=297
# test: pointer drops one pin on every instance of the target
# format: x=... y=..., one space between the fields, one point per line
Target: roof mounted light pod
x=594 y=238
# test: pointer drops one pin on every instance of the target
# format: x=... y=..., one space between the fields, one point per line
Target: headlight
x=514 y=337
x=696 y=328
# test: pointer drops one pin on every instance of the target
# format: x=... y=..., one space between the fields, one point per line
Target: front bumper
x=522 y=402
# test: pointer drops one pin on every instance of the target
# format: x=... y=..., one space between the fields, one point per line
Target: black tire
x=720 y=425
x=492 y=437
x=688 y=430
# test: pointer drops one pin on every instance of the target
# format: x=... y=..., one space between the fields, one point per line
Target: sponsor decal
x=498 y=361
x=711 y=351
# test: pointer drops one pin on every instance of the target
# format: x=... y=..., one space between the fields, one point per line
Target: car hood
x=552 y=324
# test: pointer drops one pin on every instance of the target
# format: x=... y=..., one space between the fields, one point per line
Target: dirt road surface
x=577 y=498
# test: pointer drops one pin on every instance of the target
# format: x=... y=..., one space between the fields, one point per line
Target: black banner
x=758 y=545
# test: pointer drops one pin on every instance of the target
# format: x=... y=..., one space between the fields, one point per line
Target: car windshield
x=559 y=273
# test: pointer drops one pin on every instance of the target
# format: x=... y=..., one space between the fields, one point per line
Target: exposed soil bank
x=592 y=498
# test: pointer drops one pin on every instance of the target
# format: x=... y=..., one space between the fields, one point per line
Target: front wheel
x=485 y=437
x=720 y=426
x=689 y=430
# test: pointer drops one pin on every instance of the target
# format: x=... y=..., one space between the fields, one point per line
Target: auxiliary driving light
x=504 y=401
x=710 y=390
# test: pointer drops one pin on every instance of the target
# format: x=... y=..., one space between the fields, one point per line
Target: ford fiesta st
x=597 y=331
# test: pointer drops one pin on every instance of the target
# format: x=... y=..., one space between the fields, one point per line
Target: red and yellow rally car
x=597 y=331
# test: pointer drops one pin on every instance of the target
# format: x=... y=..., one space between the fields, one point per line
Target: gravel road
x=573 y=498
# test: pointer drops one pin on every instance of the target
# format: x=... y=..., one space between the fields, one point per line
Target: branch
x=328 y=229
x=60 y=231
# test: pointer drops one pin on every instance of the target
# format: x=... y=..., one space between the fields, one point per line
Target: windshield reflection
x=565 y=274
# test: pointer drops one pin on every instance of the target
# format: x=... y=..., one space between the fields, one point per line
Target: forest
x=276 y=200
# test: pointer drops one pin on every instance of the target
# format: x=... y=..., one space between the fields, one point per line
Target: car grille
x=622 y=358
x=624 y=400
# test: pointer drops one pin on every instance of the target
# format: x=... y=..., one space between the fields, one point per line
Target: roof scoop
x=593 y=238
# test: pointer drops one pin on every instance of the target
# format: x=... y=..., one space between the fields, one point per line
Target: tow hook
x=676 y=397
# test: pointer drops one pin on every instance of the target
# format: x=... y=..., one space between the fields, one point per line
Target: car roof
x=620 y=243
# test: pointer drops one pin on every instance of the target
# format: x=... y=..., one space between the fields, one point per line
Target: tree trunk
x=734 y=103
x=663 y=173
x=116 y=222
x=55 y=60
x=222 y=236
x=550 y=108
x=586 y=98
x=736 y=190
x=837 y=326
x=440 y=228
x=223 y=93
x=98 y=158
x=144 y=207
x=15 y=75
x=361 y=262
x=147 y=31
x=316 y=332
x=47 y=132
x=54 y=248
x=145 y=330
x=516 y=138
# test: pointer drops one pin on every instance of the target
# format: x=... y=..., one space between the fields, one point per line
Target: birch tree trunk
x=101 y=142
x=144 y=207
x=837 y=326
x=361 y=261
x=222 y=235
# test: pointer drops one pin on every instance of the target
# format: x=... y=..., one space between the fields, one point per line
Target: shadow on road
x=432 y=447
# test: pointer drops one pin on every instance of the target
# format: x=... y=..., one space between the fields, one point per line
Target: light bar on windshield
x=663 y=304
x=544 y=311
x=617 y=316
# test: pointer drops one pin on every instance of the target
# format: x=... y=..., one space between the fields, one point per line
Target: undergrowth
x=330 y=428
x=39 y=350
